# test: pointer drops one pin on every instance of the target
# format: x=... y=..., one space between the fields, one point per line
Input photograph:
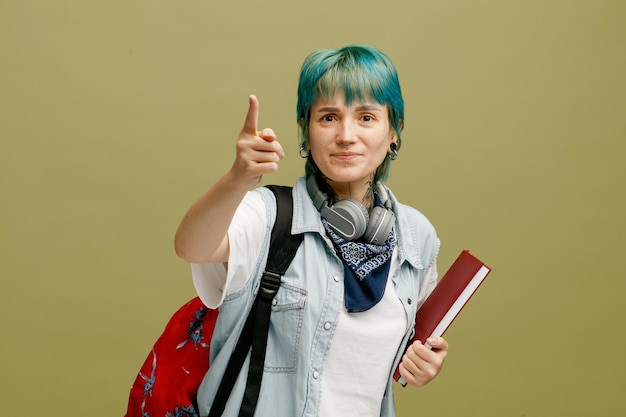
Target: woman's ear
x=395 y=136
x=304 y=143
x=395 y=140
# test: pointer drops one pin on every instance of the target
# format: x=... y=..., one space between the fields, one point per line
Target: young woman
x=345 y=310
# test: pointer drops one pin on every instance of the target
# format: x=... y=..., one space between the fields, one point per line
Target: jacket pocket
x=285 y=329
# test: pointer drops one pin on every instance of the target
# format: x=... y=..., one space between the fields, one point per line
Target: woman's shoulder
x=411 y=215
x=417 y=235
x=411 y=219
x=254 y=204
x=264 y=201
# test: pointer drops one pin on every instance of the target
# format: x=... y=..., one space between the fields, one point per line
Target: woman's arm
x=202 y=234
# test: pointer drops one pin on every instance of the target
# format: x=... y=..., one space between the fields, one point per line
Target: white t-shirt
x=360 y=358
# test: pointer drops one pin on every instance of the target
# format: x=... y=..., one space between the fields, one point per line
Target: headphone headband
x=349 y=219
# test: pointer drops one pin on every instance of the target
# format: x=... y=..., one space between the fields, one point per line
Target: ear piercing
x=304 y=153
x=394 y=151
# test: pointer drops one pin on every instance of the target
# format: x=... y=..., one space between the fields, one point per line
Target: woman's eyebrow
x=327 y=110
x=364 y=107
x=368 y=107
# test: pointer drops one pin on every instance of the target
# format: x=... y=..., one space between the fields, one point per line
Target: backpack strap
x=253 y=338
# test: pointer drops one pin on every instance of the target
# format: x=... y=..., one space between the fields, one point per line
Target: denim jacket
x=298 y=340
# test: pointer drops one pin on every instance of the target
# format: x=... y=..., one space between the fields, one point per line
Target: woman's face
x=348 y=143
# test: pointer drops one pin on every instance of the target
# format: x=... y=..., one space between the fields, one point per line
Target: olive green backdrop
x=115 y=115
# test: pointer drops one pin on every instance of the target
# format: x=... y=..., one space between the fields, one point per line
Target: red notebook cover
x=447 y=299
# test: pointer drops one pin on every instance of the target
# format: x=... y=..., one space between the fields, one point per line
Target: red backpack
x=168 y=381
x=181 y=357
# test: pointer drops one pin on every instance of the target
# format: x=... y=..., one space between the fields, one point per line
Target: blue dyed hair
x=361 y=72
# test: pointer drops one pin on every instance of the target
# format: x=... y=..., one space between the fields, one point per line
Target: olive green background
x=115 y=115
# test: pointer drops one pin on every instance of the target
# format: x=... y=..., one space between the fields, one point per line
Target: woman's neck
x=363 y=192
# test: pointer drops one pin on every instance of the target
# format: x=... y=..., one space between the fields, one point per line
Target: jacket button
x=316 y=374
x=327 y=325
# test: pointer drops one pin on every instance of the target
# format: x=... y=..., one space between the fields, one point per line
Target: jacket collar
x=306 y=218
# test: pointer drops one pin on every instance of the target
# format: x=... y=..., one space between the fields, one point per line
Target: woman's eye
x=328 y=118
x=367 y=118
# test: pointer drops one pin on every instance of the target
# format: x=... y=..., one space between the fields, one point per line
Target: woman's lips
x=345 y=156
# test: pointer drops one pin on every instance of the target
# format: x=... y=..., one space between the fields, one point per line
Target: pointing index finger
x=252 y=117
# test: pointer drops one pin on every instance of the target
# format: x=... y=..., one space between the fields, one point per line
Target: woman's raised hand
x=202 y=234
x=258 y=153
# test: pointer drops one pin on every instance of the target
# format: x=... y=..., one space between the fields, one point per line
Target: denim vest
x=298 y=340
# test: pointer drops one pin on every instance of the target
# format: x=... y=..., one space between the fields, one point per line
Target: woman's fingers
x=258 y=152
x=252 y=117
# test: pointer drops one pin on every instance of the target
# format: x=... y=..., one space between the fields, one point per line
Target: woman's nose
x=346 y=134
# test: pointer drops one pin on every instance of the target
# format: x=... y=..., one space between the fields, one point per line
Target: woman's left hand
x=420 y=365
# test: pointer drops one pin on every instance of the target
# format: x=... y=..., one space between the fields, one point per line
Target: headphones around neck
x=350 y=220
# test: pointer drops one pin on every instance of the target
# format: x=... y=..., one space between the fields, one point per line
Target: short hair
x=361 y=72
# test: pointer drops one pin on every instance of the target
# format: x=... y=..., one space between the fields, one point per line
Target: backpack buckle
x=270 y=282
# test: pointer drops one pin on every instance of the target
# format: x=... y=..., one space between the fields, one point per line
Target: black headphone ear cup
x=380 y=224
x=348 y=218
